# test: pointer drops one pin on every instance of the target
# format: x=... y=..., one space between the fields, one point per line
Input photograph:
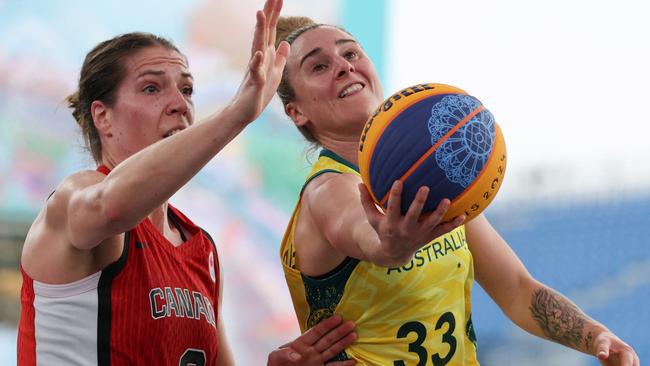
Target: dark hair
x=101 y=75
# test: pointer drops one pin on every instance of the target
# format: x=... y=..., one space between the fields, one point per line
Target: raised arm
x=535 y=307
x=344 y=215
x=97 y=208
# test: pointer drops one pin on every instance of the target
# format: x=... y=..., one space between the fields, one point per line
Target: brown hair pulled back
x=100 y=77
x=288 y=29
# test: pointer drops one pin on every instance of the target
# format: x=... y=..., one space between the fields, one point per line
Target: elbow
x=116 y=218
x=110 y=215
x=114 y=208
x=518 y=305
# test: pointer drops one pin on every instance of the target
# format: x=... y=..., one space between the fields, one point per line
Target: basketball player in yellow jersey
x=404 y=280
x=432 y=288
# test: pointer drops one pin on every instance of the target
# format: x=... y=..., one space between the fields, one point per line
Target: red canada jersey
x=156 y=305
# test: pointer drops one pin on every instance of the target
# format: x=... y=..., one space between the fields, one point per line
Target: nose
x=178 y=103
x=344 y=67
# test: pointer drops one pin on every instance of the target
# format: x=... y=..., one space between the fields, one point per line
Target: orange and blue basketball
x=438 y=136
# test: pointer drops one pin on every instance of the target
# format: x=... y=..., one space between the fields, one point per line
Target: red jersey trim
x=27 y=336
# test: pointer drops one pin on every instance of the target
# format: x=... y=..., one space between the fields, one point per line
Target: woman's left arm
x=535 y=307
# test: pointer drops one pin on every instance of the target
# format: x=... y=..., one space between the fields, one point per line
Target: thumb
x=602 y=349
x=283 y=356
x=369 y=205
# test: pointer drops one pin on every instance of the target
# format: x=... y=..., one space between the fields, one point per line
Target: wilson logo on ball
x=434 y=135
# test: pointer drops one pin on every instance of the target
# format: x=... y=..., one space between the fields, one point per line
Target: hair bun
x=75 y=105
x=288 y=25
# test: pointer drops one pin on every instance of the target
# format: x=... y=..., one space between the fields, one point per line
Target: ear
x=296 y=115
x=101 y=117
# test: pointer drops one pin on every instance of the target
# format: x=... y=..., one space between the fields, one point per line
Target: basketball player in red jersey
x=113 y=274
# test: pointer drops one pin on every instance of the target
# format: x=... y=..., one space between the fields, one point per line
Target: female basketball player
x=404 y=279
x=113 y=274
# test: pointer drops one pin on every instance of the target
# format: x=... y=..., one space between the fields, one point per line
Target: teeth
x=351 y=89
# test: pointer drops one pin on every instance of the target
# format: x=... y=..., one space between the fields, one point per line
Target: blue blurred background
x=566 y=81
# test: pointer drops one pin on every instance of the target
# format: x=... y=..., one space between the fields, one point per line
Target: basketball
x=438 y=136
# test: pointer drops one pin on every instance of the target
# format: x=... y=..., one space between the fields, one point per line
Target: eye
x=188 y=90
x=318 y=67
x=350 y=55
x=150 y=89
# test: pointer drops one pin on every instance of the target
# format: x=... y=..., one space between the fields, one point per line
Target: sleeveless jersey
x=156 y=305
x=417 y=314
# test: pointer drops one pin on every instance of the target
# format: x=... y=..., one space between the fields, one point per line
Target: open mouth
x=352 y=89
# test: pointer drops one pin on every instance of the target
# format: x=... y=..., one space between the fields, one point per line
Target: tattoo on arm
x=560 y=319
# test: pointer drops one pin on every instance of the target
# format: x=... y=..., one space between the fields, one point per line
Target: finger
x=395 y=201
x=273 y=22
x=255 y=66
x=319 y=330
x=338 y=346
x=281 y=55
x=434 y=218
x=258 y=36
x=637 y=361
x=369 y=205
x=415 y=208
x=445 y=227
x=334 y=336
x=283 y=356
x=268 y=13
x=627 y=359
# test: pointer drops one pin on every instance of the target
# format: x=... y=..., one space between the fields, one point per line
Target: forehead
x=155 y=57
x=324 y=37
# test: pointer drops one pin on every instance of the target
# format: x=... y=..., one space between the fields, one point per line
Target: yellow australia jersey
x=414 y=315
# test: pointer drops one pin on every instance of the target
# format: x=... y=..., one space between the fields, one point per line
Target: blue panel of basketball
x=408 y=135
x=455 y=164
x=452 y=167
x=429 y=174
x=463 y=155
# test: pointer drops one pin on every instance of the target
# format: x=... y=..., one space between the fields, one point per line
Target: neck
x=159 y=217
x=348 y=150
x=108 y=160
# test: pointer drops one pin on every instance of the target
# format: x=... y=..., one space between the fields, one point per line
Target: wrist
x=395 y=255
x=232 y=115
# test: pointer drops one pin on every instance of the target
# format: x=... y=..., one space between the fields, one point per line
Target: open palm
x=265 y=66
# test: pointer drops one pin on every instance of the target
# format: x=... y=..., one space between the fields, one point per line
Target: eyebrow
x=318 y=49
x=186 y=75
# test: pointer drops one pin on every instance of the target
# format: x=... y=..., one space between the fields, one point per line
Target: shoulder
x=332 y=181
x=330 y=186
x=81 y=180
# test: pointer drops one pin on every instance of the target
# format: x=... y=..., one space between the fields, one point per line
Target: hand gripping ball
x=438 y=136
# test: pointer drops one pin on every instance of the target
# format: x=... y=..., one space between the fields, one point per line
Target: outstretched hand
x=265 y=66
x=319 y=344
x=612 y=351
x=401 y=235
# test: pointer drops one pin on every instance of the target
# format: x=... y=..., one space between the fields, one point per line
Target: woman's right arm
x=354 y=226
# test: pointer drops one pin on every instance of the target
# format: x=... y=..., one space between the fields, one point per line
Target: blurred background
x=567 y=81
